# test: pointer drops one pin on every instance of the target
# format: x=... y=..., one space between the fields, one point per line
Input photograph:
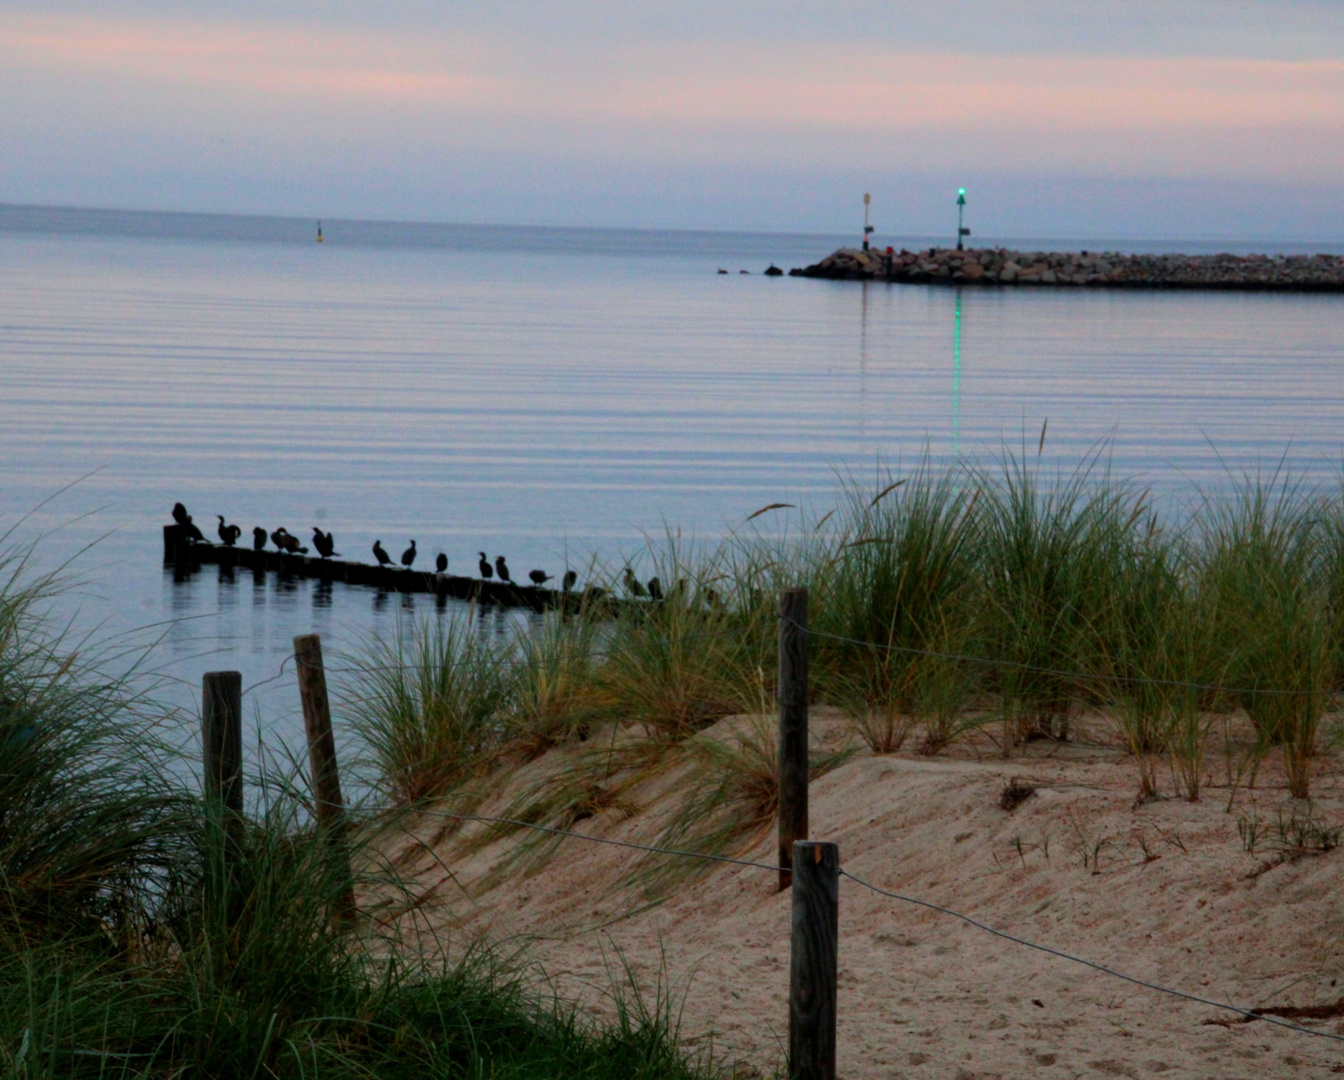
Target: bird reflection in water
x=322 y=593
x=380 y=600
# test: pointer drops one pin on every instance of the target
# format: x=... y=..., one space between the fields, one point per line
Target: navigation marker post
x=961 y=208
x=867 y=229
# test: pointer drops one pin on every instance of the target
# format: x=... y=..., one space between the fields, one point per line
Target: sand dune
x=1165 y=891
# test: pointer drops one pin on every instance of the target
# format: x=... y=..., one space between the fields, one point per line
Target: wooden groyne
x=1084 y=269
x=183 y=554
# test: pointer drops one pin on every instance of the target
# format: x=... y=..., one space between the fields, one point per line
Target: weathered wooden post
x=813 y=951
x=322 y=757
x=792 y=726
x=222 y=745
x=222 y=758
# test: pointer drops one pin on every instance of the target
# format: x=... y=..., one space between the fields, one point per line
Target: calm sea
x=555 y=395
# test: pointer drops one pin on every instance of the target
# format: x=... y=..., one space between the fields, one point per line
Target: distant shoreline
x=1083 y=269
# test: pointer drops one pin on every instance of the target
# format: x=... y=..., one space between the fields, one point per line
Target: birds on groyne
x=228 y=533
x=324 y=543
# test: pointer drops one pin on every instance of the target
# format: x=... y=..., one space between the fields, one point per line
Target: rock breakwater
x=1107 y=269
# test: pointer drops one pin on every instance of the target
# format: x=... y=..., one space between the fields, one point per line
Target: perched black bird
x=384 y=559
x=539 y=577
x=324 y=542
x=193 y=533
x=258 y=539
x=633 y=585
x=655 y=588
x=408 y=556
x=502 y=569
x=288 y=543
x=228 y=533
x=484 y=564
x=567 y=582
x=441 y=563
x=180 y=514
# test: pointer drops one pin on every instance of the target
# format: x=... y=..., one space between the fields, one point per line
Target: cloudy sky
x=1123 y=118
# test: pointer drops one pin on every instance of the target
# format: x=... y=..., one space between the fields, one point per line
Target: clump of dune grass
x=1154 y=645
x=85 y=812
x=430 y=703
x=1262 y=559
x=556 y=697
x=675 y=665
x=1050 y=554
x=893 y=603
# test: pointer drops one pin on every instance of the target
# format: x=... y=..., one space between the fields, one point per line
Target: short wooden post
x=322 y=755
x=792 y=726
x=222 y=744
x=813 y=950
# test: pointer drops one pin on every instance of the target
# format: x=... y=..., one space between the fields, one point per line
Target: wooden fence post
x=222 y=744
x=792 y=726
x=322 y=755
x=813 y=947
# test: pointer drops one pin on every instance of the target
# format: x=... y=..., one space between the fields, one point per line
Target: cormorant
x=539 y=577
x=193 y=533
x=180 y=514
x=408 y=556
x=287 y=542
x=441 y=563
x=633 y=585
x=228 y=533
x=324 y=542
x=258 y=539
x=484 y=564
x=567 y=582
x=502 y=569
x=384 y=559
x=655 y=588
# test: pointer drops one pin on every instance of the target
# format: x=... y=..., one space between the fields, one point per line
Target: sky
x=1123 y=118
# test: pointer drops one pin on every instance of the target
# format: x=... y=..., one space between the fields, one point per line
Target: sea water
x=557 y=396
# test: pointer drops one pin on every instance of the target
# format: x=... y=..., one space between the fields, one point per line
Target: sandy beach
x=1165 y=891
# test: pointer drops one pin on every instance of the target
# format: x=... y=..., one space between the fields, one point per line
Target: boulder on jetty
x=1109 y=269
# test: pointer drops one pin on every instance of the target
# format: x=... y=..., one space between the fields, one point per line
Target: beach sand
x=1164 y=891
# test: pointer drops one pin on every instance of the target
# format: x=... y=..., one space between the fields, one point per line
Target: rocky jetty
x=1107 y=269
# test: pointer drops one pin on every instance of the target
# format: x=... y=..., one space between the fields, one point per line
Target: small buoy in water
x=319 y=232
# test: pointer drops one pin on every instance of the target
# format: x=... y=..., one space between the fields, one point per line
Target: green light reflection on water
x=956 y=376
